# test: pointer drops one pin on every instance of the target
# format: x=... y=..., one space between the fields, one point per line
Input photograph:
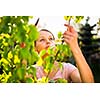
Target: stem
x=47 y=75
x=69 y=20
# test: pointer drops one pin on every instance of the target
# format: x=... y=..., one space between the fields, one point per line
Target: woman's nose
x=48 y=41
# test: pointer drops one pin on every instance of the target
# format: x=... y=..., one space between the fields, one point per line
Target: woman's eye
x=42 y=40
x=51 y=38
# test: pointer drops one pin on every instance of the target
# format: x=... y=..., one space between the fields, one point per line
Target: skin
x=44 y=41
x=83 y=73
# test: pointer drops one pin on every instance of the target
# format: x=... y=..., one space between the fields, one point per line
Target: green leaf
x=40 y=62
x=67 y=18
x=61 y=80
x=51 y=51
x=21 y=73
x=24 y=53
x=33 y=34
x=29 y=80
x=78 y=19
x=32 y=71
x=59 y=35
x=42 y=53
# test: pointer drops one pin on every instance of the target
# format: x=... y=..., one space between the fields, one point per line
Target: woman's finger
x=68 y=33
x=70 y=28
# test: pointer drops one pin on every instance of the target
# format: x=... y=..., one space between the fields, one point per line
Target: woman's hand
x=70 y=37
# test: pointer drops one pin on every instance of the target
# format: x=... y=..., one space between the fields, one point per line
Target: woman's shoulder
x=68 y=66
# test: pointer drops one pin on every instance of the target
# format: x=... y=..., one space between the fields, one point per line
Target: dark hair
x=46 y=31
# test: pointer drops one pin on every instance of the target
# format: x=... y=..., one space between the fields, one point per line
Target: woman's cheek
x=42 y=46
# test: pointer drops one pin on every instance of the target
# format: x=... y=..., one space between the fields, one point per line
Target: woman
x=81 y=73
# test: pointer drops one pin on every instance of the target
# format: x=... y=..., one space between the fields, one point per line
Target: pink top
x=65 y=73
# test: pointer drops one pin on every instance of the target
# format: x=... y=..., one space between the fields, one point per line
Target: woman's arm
x=70 y=37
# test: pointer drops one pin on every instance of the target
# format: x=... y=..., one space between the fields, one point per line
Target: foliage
x=17 y=47
x=18 y=55
x=76 y=19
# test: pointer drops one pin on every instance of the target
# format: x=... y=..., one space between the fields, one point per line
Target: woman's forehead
x=45 y=33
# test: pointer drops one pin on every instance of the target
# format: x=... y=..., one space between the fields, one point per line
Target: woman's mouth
x=47 y=47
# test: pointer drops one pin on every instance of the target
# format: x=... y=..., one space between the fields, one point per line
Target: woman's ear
x=35 y=46
x=36 y=49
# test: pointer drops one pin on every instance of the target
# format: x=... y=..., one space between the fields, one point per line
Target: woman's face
x=44 y=41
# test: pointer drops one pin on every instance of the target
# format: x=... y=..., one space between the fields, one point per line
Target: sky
x=56 y=23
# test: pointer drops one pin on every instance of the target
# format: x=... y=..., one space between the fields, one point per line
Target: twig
x=37 y=22
x=69 y=20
